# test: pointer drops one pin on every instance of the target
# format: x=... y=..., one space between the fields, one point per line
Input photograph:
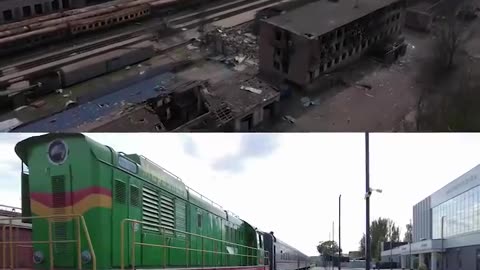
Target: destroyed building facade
x=299 y=46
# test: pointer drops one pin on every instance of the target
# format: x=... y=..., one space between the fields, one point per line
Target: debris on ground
x=251 y=89
x=127 y=67
x=59 y=91
x=21 y=108
x=368 y=95
x=363 y=86
x=289 y=119
x=236 y=41
x=240 y=58
x=307 y=102
x=38 y=103
x=240 y=68
x=192 y=47
x=70 y=103
x=9 y=124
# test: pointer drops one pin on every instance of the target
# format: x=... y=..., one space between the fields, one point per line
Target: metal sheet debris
x=307 y=102
x=9 y=124
x=289 y=119
x=251 y=89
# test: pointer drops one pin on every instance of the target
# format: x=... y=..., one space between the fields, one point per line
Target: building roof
x=323 y=16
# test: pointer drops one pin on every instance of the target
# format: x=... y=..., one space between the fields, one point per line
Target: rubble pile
x=234 y=45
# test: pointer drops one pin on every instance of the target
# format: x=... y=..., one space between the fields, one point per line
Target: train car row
x=24 y=35
x=92 y=190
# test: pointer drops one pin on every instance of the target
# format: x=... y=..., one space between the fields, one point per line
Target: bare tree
x=448 y=33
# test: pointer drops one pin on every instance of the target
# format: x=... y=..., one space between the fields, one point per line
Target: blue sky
x=289 y=183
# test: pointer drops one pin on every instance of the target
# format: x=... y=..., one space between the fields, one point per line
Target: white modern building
x=446 y=228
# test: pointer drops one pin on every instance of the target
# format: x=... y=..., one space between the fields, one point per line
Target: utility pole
x=367 y=203
x=333 y=239
x=339 y=232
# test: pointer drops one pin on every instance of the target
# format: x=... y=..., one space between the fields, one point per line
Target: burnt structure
x=297 y=47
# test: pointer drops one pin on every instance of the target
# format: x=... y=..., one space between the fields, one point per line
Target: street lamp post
x=367 y=204
x=339 y=232
x=368 y=192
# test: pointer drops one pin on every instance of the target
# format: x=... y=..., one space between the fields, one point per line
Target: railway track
x=29 y=64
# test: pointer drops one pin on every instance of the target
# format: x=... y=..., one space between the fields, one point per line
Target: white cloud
x=292 y=186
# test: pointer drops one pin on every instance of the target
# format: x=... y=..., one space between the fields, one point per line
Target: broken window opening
x=276 y=65
x=66 y=4
x=38 y=9
x=278 y=35
x=55 y=5
x=27 y=11
x=7 y=15
x=277 y=51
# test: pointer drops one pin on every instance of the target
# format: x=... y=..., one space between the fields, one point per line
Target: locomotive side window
x=199 y=220
x=127 y=164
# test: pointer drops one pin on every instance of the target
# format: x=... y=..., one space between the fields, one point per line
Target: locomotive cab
x=60 y=183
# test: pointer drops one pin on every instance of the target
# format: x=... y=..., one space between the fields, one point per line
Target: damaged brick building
x=300 y=45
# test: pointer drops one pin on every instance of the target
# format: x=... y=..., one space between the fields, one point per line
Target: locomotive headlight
x=57 y=152
x=38 y=257
x=86 y=256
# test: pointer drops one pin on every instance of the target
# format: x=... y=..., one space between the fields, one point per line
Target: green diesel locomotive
x=92 y=207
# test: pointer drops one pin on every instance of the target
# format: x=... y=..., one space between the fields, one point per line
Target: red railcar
x=18 y=254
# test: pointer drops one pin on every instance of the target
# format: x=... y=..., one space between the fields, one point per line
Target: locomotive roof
x=22 y=146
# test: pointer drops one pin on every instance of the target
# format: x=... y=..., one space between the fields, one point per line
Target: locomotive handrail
x=80 y=225
x=134 y=243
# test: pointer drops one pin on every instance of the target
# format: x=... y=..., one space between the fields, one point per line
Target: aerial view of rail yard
x=238 y=65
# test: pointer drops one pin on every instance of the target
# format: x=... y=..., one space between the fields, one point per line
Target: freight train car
x=113 y=210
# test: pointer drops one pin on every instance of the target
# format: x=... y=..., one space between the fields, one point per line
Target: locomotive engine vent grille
x=180 y=217
x=167 y=212
x=120 y=192
x=59 y=201
x=150 y=209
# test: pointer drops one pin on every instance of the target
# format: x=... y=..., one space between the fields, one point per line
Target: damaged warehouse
x=297 y=47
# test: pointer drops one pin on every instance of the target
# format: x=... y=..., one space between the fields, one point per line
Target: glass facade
x=462 y=215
